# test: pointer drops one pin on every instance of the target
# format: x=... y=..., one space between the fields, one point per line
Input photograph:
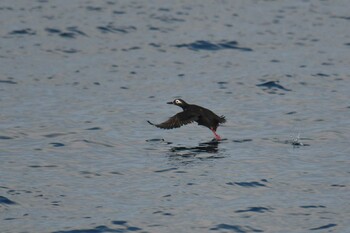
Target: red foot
x=217 y=137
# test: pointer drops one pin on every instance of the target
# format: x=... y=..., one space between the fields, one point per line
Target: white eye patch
x=178 y=101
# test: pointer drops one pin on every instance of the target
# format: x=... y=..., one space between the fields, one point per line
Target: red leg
x=217 y=137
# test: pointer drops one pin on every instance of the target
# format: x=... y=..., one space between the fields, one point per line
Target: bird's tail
x=222 y=119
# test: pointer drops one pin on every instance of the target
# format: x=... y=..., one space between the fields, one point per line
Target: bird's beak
x=170 y=103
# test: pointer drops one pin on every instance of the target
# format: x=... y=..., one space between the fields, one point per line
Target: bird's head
x=179 y=102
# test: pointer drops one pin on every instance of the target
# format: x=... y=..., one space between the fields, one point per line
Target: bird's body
x=192 y=113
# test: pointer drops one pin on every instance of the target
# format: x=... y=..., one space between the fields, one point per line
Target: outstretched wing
x=178 y=120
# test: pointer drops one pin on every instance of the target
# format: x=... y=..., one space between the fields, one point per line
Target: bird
x=192 y=113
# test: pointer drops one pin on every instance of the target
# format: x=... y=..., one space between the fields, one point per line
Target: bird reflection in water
x=206 y=150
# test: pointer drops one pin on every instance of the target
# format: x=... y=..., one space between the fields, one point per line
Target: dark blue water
x=80 y=79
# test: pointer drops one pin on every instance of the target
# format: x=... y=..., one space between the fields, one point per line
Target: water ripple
x=123 y=227
x=323 y=227
x=251 y=184
x=206 y=45
x=235 y=228
x=5 y=200
x=254 y=209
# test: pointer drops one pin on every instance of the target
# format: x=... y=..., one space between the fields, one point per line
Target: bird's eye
x=177 y=101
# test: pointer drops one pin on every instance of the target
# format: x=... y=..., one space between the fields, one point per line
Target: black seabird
x=190 y=114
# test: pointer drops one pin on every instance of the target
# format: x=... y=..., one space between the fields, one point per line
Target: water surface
x=80 y=79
